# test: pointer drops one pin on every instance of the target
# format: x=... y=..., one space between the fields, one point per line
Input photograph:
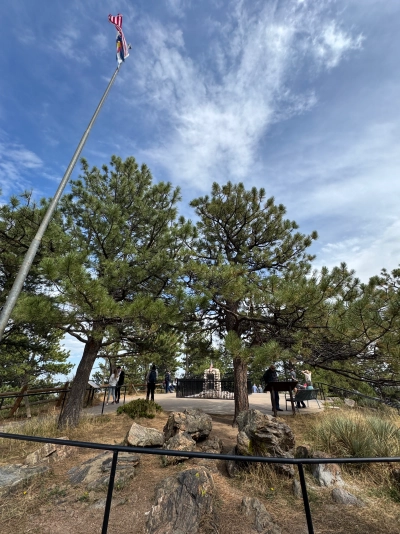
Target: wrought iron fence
x=197 y=388
x=300 y=463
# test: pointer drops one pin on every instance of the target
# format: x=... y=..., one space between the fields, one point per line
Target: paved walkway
x=169 y=402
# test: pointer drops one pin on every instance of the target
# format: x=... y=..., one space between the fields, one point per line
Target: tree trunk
x=240 y=386
x=74 y=402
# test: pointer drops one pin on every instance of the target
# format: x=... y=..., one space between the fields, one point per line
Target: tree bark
x=74 y=403
x=240 y=387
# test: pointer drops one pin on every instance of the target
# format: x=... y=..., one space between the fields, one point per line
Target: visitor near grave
x=293 y=377
x=260 y=389
x=255 y=389
x=112 y=382
x=307 y=377
x=121 y=379
x=271 y=375
x=151 y=379
x=167 y=379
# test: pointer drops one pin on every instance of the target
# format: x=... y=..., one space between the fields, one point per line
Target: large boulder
x=326 y=474
x=194 y=422
x=263 y=435
x=183 y=504
x=95 y=473
x=140 y=436
x=179 y=442
x=258 y=517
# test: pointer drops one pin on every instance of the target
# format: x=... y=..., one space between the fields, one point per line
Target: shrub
x=140 y=408
x=356 y=435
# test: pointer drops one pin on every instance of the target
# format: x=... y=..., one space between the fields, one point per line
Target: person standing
x=121 y=379
x=293 y=377
x=167 y=378
x=271 y=375
x=151 y=379
x=307 y=377
x=112 y=382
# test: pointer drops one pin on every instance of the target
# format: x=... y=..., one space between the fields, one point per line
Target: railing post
x=104 y=400
x=110 y=492
x=305 y=499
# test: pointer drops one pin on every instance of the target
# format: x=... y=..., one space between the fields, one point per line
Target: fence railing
x=300 y=463
x=326 y=389
x=207 y=389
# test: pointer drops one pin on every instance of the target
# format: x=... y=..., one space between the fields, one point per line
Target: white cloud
x=15 y=162
x=214 y=117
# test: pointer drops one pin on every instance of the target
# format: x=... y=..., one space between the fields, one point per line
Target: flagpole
x=31 y=253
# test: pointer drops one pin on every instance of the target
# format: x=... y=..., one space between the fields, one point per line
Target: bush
x=140 y=408
x=356 y=436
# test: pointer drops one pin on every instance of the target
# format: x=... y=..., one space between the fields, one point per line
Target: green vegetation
x=348 y=434
x=140 y=408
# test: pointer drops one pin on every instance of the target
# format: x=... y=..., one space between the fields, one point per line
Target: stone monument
x=212 y=383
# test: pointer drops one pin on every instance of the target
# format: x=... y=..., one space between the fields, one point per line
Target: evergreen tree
x=244 y=240
x=116 y=277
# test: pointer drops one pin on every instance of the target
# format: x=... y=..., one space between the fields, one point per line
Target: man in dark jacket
x=121 y=378
x=271 y=375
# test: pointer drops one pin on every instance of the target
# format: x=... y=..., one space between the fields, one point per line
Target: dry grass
x=50 y=505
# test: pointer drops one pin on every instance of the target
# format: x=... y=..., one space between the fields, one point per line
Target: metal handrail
x=300 y=462
x=393 y=404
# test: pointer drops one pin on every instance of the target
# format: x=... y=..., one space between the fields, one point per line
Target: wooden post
x=62 y=396
x=18 y=400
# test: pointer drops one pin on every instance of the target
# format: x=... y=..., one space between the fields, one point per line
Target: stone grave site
x=169 y=494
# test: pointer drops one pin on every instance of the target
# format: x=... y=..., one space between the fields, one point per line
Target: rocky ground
x=56 y=502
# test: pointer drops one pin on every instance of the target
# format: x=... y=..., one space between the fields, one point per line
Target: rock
x=296 y=488
x=95 y=473
x=395 y=476
x=302 y=452
x=350 y=403
x=266 y=436
x=196 y=423
x=179 y=442
x=326 y=474
x=342 y=496
x=232 y=467
x=13 y=477
x=183 y=503
x=258 y=516
x=140 y=436
x=212 y=445
x=49 y=453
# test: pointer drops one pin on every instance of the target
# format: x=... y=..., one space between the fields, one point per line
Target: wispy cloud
x=15 y=163
x=214 y=116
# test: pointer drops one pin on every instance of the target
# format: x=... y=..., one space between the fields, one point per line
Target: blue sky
x=297 y=96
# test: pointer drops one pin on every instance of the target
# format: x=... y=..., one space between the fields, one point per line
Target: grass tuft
x=140 y=408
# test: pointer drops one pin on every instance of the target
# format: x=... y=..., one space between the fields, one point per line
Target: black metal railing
x=197 y=388
x=327 y=389
x=212 y=456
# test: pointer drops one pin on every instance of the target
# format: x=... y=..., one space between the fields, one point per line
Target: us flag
x=122 y=47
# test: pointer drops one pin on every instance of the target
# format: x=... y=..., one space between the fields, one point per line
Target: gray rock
x=140 y=436
x=49 y=453
x=179 y=442
x=258 y=516
x=266 y=437
x=302 y=452
x=341 y=496
x=194 y=422
x=95 y=473
x=326 y=474
x=183 y=504
x=296 y=488
x=212 y=445
x=232 y=467
x=350 y=403
x=12 y=477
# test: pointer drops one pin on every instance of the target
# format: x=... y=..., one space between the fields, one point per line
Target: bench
x=303 y=395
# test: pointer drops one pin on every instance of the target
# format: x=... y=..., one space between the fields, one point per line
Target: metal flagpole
x=31 y=253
